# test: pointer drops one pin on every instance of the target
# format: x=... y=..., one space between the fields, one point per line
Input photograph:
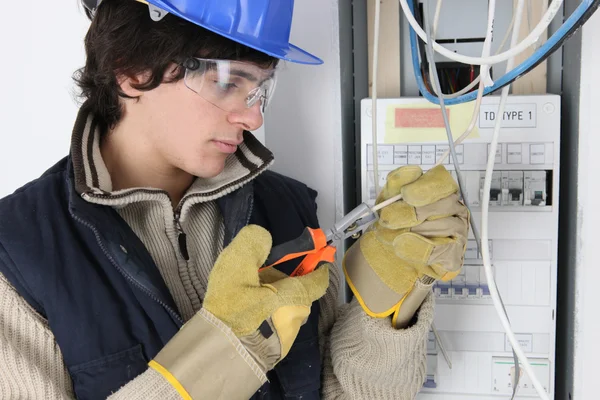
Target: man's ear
x=128 y=83
x=172 y=72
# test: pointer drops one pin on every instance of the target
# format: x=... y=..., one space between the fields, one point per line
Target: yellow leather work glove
x=417 y=240
x=265 y=311
x=244 y=299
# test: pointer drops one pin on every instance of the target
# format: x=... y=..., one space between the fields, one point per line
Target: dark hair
x=124 y=41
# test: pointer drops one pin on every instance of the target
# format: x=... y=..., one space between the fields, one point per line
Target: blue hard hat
x=263 y=25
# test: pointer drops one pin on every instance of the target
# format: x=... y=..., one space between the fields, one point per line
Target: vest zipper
x=124 y=273
x=181 y=238
x=250 y=210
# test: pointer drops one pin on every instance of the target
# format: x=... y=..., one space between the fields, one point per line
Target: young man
x=130 y=269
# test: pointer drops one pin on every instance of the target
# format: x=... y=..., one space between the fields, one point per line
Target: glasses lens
x=232 y=86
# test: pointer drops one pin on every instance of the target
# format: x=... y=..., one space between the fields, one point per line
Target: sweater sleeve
x=32 y=364
x=365 y=357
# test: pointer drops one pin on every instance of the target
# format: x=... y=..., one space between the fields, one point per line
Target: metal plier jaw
x=352 y=224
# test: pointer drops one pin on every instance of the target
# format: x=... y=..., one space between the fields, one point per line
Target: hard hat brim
x=289 y=53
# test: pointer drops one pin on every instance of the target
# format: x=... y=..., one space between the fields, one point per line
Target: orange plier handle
x=312 y=245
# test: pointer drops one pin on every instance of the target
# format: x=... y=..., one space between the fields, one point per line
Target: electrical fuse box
x=522 y=226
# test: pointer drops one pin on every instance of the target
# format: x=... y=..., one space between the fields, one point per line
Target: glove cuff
x=375 y=297
x=203 y=357
x=405 y=311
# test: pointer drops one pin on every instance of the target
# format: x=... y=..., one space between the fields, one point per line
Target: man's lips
x=227 y=146
x=230 y=142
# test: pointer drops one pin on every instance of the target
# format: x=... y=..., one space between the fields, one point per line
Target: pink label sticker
x=419 y=118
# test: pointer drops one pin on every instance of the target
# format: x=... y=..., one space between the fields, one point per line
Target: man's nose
x=249 y=119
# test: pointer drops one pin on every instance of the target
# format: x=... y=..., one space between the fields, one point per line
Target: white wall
x=40 y=51
x=587 y=319
x=303 y=125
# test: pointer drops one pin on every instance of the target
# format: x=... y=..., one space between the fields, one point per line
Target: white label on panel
x=385 y=154
x=414 y=155
x=400 y=155
x=514 y=153
x=498 y=153
x=440 y=150
x=515 y=116
x=428 y=155
x=537 y=153
x=525 y=341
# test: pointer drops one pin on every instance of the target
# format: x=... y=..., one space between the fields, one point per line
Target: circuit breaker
x=523 y=230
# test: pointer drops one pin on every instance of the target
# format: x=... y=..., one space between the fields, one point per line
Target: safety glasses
x=233 y=86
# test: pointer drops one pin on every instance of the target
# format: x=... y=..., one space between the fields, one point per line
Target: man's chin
x=209 y=172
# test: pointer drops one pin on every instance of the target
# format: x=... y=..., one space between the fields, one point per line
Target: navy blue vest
x=80 y=266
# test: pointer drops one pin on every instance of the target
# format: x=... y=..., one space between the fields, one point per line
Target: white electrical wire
x=435 y=82
x=471 y=126
x=539 y=43
x=485 y=52
x=485 y=226
x=436 y=18
x=486 y=254
x=519 y=355
x=473 y=122
x=529 y=14
x=484 y=70
x=513 y=51
x=435 y=87
x=374 y=95
x=438 y=338
x=471 y=85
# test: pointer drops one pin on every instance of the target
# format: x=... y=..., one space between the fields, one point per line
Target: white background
x=37 y=107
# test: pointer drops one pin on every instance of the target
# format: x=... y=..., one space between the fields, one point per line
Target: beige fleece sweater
x=364 y=358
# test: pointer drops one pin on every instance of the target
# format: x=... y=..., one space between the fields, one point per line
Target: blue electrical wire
x=581 y=12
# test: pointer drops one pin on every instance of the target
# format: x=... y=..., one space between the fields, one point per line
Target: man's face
x=191 y=133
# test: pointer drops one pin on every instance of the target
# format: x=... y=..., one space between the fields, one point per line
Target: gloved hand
x=417 y=240
x=263 y=310
x=272 y=301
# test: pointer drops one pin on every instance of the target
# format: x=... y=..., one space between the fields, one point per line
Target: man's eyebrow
x=247 y=75
x=243 y=74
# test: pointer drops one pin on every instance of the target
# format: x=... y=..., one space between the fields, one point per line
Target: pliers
x=317 y=245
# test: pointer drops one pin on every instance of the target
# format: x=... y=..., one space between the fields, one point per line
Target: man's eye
x=225 y=86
